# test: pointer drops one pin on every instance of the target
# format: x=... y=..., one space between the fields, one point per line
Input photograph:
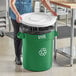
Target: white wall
x=2 y=5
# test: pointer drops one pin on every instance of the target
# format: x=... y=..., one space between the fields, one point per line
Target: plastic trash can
x=37 y=34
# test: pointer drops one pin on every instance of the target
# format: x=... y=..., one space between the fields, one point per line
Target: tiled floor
x=8 y=67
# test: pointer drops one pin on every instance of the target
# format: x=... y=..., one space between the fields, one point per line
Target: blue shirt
x=23 y=6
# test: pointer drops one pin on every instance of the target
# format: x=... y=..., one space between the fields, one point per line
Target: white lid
x=38 y=19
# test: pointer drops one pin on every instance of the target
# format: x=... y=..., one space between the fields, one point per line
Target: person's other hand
x=18 y=18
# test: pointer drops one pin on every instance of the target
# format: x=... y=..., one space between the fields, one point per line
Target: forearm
x=13 y=7
x=46 y=3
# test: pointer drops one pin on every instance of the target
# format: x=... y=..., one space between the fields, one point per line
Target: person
x=17 y=8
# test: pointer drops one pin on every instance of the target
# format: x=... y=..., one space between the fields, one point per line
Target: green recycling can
x=37 y=34
x=37 y=51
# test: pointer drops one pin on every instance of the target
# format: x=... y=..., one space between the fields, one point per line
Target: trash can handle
x=56 y=33
x=20 y=35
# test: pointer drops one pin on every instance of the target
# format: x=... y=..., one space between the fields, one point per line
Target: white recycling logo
x=42 y=52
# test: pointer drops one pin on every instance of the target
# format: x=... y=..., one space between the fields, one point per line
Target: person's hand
x=18 y=18
x=54 y=13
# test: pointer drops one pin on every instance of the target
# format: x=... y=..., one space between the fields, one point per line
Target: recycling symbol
x=42 y=52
